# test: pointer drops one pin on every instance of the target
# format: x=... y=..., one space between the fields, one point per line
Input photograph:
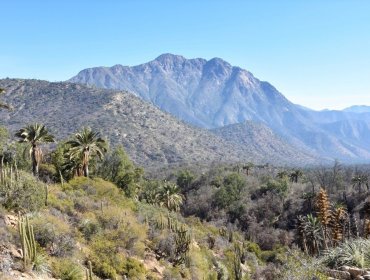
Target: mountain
x=205 y=93
x=358 y=109
x=258 y=138
x=213 y=93
x=150 y=136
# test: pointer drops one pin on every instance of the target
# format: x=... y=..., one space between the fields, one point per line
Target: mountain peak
x=169 y=57
x=219 y=61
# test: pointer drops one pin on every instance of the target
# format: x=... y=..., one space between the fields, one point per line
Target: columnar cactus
x=28 y=242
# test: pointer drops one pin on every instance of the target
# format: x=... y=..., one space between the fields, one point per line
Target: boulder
x=355 y=272
x=339 y=274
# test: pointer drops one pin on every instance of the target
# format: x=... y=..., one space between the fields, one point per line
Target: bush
x=89 y=227
x=233 y=185
x=22 y=192
x=67 y=269
x=106 y=261
x=134 y=269
x=54 y=235
x=355 y=252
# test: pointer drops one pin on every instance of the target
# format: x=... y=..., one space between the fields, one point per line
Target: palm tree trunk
x=36 y=156
x=86 y=170
x=85 y=163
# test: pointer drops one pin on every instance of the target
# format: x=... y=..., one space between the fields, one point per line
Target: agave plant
x=310 y=234
x=353 y=252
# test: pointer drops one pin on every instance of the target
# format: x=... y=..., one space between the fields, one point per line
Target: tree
x=248 y=167
x=4 y=105
x=230 y=190
x=84 y=146
x=282 y=175
x=34 y=135
x=359 y=180
x=185 y=179
x=170 y=197
x=294 y=176
x=119 y=169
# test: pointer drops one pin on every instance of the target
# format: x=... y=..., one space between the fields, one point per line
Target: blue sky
x=317 y=53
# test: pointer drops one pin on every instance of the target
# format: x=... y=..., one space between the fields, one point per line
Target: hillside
x=258 y=139
x=213 y=93
x=150 y=136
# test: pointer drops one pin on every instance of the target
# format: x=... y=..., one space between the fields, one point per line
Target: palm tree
x=35 y=134
x=359 y=180
x=248 y=167
x=282 y=174
x=85 y=145
x=3 y=105
x=170 y=197
x=294 y=176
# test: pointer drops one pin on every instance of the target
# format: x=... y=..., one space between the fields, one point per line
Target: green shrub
x=107 y=262
x=134 y=269
x=355 y=252
x=67 y=269
x=89 y=227
x=254 y=248
x=22 y=192
x=54 y=235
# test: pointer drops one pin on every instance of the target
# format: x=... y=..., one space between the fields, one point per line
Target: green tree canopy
x=85 y=145
x=34 y=135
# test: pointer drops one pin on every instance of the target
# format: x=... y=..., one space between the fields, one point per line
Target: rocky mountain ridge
x=213 y=93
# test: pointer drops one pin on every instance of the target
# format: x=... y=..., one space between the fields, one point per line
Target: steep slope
x=213 y=94
x=150 y=136
x=257 y=139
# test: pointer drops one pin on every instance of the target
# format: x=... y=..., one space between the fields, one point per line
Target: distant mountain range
x=358 y=109
x=213 y=94
x=151 y=137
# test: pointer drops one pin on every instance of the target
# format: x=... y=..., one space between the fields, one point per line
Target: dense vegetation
x=84 y=210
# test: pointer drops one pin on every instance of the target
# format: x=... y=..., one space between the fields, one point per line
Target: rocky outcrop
x=349 y=273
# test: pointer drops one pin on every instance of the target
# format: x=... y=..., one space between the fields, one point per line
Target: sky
x=315 y=52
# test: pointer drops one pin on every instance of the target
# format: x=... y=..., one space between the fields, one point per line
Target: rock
x=16 y=253
x=355 y=272
x=366 y=276
x=339 y=274
x=11 y=220
x=344 y=268
x=359 y=278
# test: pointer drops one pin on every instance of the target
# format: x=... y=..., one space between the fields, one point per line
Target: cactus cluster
x=89 y=273
x=8 y=175
x=28 y=243
x=238 y=259
x=181 y=235
x=182 y=241
x=167 y=223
